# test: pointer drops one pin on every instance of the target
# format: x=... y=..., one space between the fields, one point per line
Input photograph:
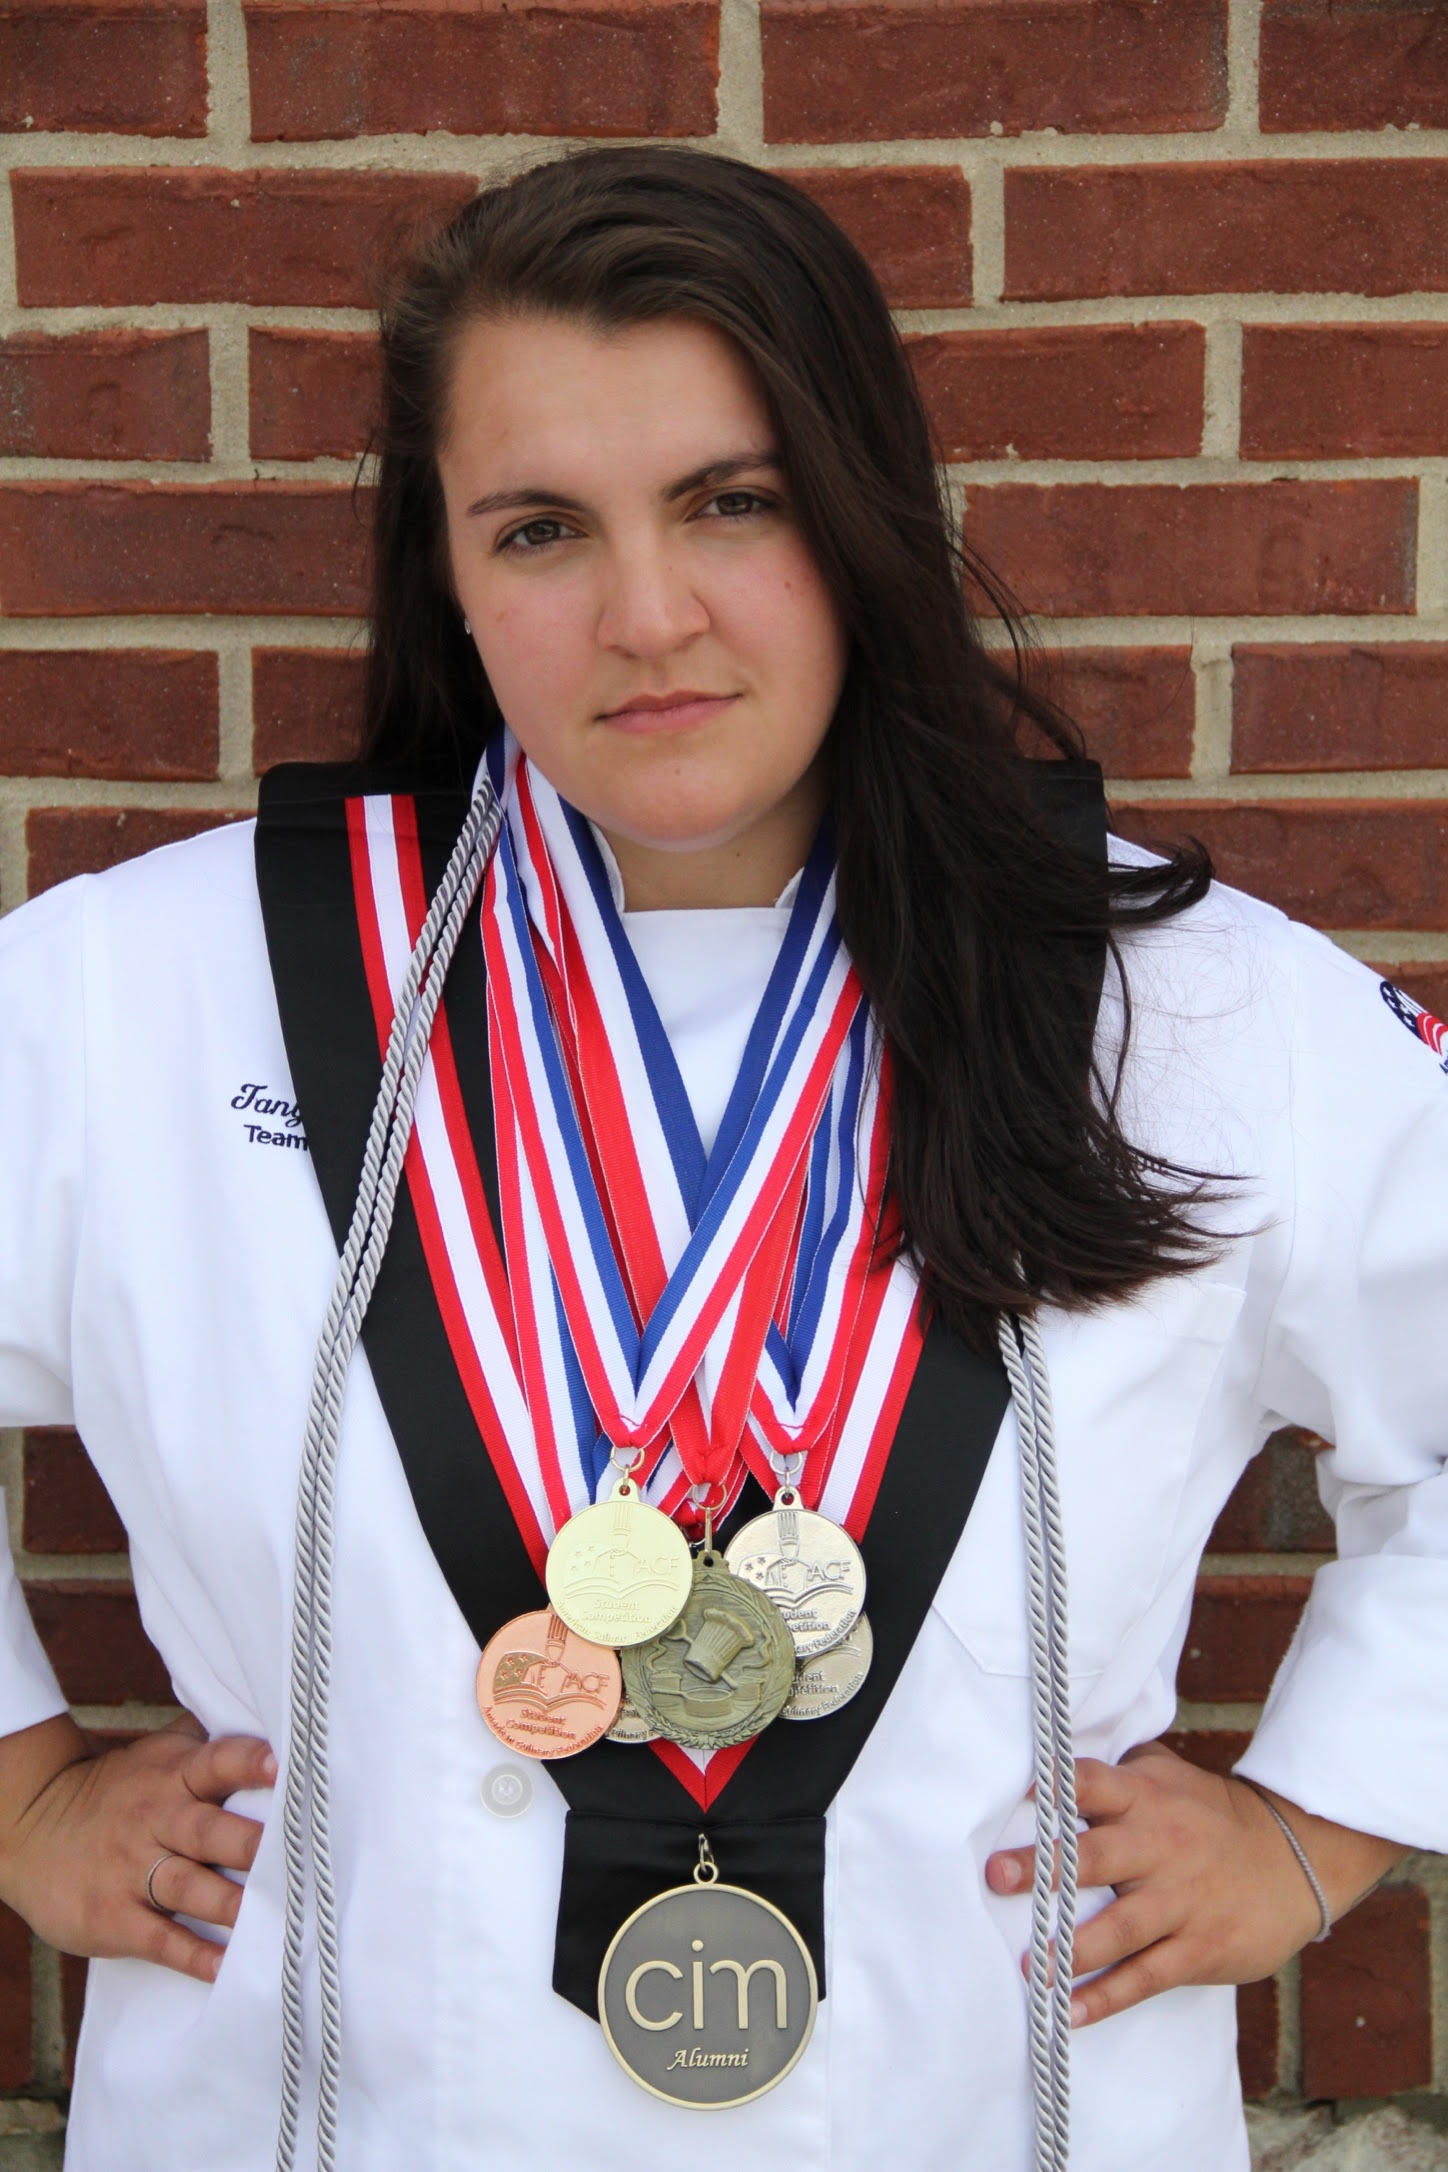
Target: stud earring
x=467 y=629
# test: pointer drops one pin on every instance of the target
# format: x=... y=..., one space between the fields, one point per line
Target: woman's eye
x=737 y=504
x=533 y=535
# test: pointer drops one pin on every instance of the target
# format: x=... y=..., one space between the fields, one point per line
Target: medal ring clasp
x=706 y=1870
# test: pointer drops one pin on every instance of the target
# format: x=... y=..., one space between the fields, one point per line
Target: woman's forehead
x=656 y=400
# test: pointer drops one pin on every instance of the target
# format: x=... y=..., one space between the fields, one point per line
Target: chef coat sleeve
x=42 y=1129
x=1356 y=1726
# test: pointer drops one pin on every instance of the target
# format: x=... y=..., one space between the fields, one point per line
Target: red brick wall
x=1176 y=277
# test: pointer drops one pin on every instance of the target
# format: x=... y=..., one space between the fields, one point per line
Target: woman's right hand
x=80 y=1832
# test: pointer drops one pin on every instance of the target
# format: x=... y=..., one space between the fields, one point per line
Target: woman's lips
x=673 y=716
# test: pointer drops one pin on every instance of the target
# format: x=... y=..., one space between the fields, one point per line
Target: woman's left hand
x=1208 y=1890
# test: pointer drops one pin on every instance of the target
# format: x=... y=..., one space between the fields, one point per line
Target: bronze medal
x=543 y=1690
x=808 y=1566
x=619 y=1572
x=830 y=1679
x=721 y=1672
x=707 y=1994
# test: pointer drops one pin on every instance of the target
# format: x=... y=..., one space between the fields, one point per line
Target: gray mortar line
x=234 y=665
x=741 y=80
x=12 y=854
x=1244 y=40
x=1222 y=390
x=229 y=115
x=1259 y=788
x=1213 y=672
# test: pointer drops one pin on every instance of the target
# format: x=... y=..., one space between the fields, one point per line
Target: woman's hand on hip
x=80 y=1835
x=1207 y=1888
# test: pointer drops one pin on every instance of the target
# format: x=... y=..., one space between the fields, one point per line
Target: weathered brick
x=136 y=713
x=1136 y=707
x=126 y=66
x=1258 y=2036
x=911 y=222
x=306 y=705
x=860 y=73
x=1366 y=2000
x=1087 y=549
x=1240 y=1627
x=105 y=396
x=1354 y=64
x=1317 y=391
x=1065 y=392
x=67 y=1509
x=93 y=1637
x=312 y=393
x=1343 y=705
x=1215 y=1749
x=533 y=67
x=1337 y=863
x=1288 y=226
x=74 y=549
x=1275 y=1506
x=17 y=2063
x=65 y=841
x=1426 y=981
x=125 y=235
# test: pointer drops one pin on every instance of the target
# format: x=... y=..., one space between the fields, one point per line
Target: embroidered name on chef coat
x=269 y=1119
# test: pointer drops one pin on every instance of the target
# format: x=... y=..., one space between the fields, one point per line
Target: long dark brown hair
x=976 y=930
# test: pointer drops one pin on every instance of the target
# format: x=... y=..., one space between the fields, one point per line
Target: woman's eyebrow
x=713 y=471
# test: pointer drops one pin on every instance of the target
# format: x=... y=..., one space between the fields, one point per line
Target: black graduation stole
x=632 y=1828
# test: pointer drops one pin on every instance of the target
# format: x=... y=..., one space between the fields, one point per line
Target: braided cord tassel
x=307 y=1807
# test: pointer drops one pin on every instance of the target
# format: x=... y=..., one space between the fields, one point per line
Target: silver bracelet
x=1300 y=1852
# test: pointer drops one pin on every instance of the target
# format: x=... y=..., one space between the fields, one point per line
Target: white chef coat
x=164 y=1265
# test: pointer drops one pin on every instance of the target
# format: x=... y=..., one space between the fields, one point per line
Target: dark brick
x=77 y=549
x=92 y=1633
x=1280 y=226
x=1323 y=391
x=312 y=393
x=1338 y=864
x=1258 y=2025
x=67 y=1509
x=306 y=705
x=562 y=68
x=1367 y=2000
x=1240 y=1628
x=65 y=841
x=1065 y=392
x=1340 y=705
x=1354 y=64
x=1075 y=550
x=109 y=395
x=121 y=235
x=128 y=67
x=912 y=224
x=147 y=714
x=859 y=72
x=1275 y=1507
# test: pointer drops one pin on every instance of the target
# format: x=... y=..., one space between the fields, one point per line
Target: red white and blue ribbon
x=711 y=1312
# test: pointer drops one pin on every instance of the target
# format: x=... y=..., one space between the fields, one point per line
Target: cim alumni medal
x=619 y=1572
x=543 y=1690
x=707 y=1994
x=808 y=1566
x=831 y=1678
x=721 y=1672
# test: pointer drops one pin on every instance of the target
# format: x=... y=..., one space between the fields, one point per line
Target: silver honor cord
x=1048 y=1996
x=307 y=1807
x=306 y=1815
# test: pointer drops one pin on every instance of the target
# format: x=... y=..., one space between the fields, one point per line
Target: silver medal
x=830 y=1679
x=808 y=1566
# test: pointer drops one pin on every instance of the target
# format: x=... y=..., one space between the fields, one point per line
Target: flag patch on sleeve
x=1421 y=1024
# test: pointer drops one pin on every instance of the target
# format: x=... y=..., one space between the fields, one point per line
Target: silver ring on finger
x=165 y=1857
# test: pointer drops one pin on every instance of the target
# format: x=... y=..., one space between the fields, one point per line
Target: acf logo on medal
x=707 y=1995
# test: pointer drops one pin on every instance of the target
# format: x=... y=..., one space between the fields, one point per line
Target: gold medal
x=543 y=1690
x=719 y=1673
x=707 y=1994
x=619 y=1572
x=830 y=1679
x=808 y=1566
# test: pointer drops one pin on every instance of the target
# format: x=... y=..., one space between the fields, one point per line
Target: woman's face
x=650 y=620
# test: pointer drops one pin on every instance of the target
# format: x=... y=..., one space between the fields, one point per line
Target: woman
x=663 y=568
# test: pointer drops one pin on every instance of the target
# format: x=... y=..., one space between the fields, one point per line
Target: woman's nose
x=649 y=606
